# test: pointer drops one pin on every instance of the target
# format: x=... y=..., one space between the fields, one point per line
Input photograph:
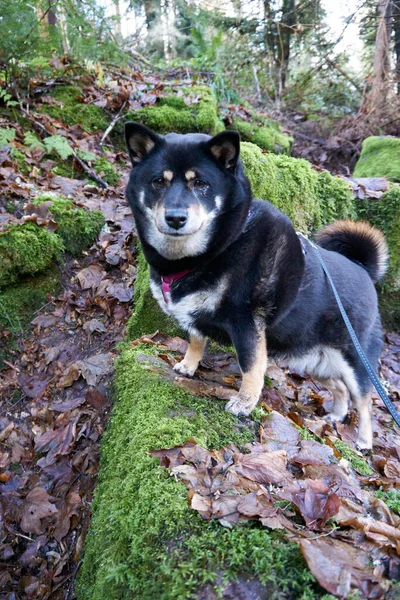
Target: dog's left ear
x=140 y=141
x=225 y=147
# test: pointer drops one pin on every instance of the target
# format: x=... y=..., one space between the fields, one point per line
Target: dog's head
x=180 y=186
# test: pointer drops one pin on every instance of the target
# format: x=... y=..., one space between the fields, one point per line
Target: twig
x=112 y=124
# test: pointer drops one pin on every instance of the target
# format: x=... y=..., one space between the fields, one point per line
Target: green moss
x=171 y=113
x=380 y=157
x=19 y=156
x=144 y=541
x=106 y=170
x=18 y=304
x=357 y=462
x=72 y=112
x=78 y=228
x=391 y=498
x=148 y=316
x=25 y=250
x=336 y=200
x=384 y=213
x=268 y=137
x=164 y=119
x=309 y=198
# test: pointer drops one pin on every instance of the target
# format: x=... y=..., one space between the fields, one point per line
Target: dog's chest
x=187 y=309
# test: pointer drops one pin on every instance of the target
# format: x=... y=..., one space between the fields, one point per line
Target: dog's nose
x=176 y=217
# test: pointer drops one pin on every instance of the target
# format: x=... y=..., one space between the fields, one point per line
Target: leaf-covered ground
x=56 y=385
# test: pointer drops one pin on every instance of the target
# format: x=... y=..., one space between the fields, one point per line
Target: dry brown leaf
x=36 y=508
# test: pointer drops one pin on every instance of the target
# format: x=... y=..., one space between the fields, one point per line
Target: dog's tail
x=358 y=241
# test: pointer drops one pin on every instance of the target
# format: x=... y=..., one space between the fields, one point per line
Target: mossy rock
x=380 y=157
x=144 y=541
x=25 y=250
x=310 y=198
x=19 y=302
x=78 y=228
x=384 y=213
x=268 y=136
x=171 y=113
x=73 y=112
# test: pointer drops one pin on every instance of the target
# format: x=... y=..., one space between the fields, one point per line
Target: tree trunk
x=377 y=100
x=117 y=29
x=396 y=28
x=285 y=31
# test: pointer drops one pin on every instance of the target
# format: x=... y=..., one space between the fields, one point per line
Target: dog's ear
x=225 y=148
x=140 y=140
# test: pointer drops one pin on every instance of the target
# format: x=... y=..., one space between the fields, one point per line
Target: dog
x=232 y=268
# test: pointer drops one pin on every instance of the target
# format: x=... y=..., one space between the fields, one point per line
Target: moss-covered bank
x=144 y=541
x=78 y=228
x=25 y=250
x=195 y=110
x=267 y=136
x=310 y=198
x=71 y=111
x=384 y=213
x=380 y=157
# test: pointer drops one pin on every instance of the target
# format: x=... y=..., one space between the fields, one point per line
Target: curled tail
x=359 y=242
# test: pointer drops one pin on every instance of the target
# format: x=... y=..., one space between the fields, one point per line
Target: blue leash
x=354 y=339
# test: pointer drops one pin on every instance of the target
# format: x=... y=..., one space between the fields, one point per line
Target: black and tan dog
x=233 y=268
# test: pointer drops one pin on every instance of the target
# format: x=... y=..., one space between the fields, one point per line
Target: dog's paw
x=241 y=406
x=185 y=368
x=363 y=443
x=335 y=417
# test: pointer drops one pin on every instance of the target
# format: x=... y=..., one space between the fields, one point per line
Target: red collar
x=168 y=280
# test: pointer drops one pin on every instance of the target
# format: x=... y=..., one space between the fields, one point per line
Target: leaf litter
x=291 y=478
x=55 y=401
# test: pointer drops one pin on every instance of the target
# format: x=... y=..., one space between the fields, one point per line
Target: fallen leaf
x=37 y=507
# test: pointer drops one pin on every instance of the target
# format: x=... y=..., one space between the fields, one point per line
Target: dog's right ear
x=140 y=140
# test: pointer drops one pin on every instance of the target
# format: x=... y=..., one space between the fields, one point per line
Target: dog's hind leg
x=363 y=405
x=340 y=398
x=251 y=348
x=193 y=356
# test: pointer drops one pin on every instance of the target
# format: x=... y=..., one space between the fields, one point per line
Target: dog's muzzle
x=176 y=218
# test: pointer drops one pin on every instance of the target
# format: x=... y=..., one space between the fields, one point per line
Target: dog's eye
x=159 y=182
x=199 y=184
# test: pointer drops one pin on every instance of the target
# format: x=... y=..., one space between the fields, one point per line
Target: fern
x=87 y=156
x=59 y=144
x=6 y=136
x=32 y=141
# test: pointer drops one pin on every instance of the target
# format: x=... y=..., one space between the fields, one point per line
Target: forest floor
x=56 y=387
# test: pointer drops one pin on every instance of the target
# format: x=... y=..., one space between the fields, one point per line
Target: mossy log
x=380 y=157
x=144 y=541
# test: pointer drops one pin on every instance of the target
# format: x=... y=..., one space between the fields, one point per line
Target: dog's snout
x=176 y=217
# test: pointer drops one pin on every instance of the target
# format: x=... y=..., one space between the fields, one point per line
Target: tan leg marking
x=364 y=408
x=193 y=356
x=253 y=381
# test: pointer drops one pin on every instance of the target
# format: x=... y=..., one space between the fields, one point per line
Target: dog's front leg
x=193 y=356
x=251 y=348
